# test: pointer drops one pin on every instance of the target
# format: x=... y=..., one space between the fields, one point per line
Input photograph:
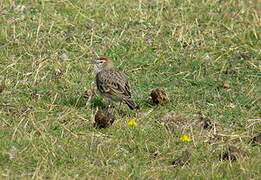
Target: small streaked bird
x=112 y=83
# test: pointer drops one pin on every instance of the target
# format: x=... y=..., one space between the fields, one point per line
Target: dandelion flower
x=132 y=123
x=185 y=138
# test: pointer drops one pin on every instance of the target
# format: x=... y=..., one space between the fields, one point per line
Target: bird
x=112 y=84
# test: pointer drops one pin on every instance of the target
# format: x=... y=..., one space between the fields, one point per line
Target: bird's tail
x=132 y=105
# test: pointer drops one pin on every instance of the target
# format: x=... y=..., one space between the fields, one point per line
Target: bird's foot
x=110 y=106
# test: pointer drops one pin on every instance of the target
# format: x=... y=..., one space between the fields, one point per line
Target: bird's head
x=102 y=63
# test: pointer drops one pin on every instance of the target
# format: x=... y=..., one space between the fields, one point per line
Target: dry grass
x=206 y=54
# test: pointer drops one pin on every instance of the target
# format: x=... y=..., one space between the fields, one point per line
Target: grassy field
x=205 y=53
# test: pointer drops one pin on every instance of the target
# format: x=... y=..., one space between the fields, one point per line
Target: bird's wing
x=113 y=82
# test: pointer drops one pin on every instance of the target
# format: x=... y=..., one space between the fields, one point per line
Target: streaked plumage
x=112 y=83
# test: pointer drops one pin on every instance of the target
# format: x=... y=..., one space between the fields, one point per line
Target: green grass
x=190 y=48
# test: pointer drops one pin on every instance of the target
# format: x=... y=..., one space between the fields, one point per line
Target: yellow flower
x=185 y=138
x=132 y=123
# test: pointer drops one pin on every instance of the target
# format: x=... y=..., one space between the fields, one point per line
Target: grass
x=190 y=48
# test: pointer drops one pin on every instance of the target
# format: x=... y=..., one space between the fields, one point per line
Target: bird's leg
x=111 y=104
x=120 y=109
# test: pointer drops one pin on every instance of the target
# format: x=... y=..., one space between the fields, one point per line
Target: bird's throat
x=97 y=68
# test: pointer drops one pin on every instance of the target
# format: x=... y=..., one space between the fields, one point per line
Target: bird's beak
x=93 y=61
